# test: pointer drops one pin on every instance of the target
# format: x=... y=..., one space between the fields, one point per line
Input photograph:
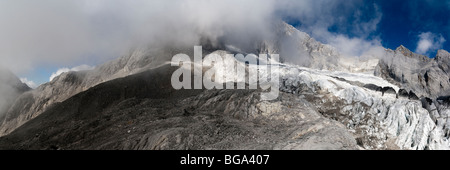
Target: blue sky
x=404 y=20
x=41 y=37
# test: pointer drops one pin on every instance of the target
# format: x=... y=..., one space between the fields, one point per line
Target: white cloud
x=29 y=82
x=353 y=47
x=429 y=42
x=77 y=68
x=347 y=17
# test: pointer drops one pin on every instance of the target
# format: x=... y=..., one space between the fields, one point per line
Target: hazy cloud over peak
x=65 y=69
x=344 y=24
x=29 y=83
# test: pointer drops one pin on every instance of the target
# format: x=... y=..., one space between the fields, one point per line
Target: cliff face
x=425 y=76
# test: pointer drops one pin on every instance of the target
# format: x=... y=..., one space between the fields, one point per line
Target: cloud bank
x=54 y=32
x=63 y=32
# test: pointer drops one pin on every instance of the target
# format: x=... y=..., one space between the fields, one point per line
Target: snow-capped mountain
x=393 y=101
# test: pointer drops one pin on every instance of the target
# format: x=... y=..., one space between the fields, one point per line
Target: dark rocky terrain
x=143 y=111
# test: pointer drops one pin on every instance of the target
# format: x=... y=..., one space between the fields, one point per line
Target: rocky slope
x=143 y=111
x=33 y=103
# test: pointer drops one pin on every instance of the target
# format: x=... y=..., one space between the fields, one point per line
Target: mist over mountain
x=10 y=88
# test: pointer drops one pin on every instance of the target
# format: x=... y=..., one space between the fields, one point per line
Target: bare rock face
x=420 y=74
x=443 y=60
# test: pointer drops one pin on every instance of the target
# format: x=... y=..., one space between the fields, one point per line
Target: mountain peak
x=401 y=47
x=443 y=60
x=408 y=53
x=405 y=51
x=442 y=53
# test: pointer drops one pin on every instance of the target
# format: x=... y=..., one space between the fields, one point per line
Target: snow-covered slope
x=377 y=120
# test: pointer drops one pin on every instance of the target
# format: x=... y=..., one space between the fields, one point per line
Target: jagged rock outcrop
x=443 y=60
x=418 y=73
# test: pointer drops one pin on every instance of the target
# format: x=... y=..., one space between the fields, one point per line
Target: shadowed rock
x=413 y=96
x=445 y=99
x=388 y=90
x=372 y=87
x=403 y=93
x=426 y=103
